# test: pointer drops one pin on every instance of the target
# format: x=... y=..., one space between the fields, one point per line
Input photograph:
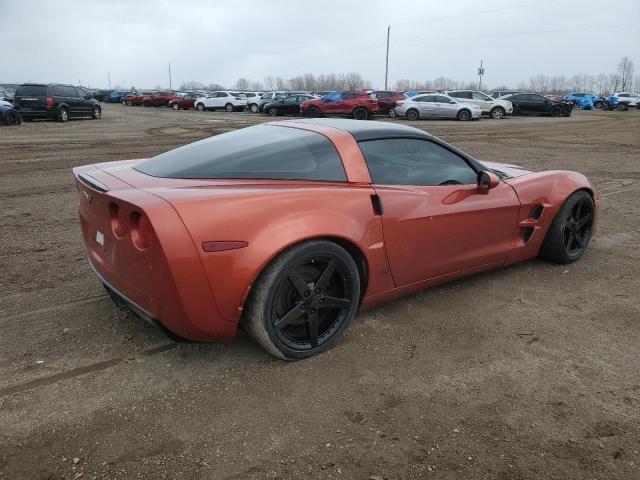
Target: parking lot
x=528 y=372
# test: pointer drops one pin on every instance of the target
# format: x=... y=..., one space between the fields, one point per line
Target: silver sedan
x=436 y=105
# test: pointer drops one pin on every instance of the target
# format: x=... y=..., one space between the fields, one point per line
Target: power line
x=477 y=12
x=518 y=34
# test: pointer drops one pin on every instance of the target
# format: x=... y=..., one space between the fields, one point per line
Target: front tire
x=228 y=107
x=304 y=300
x=497 y=113
x=392 y=113
x=123 y=102
x=200 y=107
x=571 y=229
x=97 y=113
x=254 y=108
x=175 y=106
x=556 y=112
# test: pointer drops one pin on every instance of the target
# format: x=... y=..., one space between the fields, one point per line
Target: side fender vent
x=526 y=234
x=536 y=213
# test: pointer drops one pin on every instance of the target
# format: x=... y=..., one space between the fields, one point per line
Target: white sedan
x=230 y=101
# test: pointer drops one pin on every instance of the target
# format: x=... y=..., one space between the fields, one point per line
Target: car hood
x=511 y=170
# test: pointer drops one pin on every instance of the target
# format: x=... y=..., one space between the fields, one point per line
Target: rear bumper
x=48 y=112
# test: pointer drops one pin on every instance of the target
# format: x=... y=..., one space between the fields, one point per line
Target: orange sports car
x=287 y=228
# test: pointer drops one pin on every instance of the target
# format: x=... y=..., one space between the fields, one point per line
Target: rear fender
x=272 y=227
x=548 y=190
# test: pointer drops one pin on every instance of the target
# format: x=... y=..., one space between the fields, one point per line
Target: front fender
x=548 y=190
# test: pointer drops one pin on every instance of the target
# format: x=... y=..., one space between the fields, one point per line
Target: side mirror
x=487 y=181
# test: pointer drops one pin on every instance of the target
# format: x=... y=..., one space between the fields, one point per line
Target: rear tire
x=412 y=114
x=273 y=111
x=571 y=229
x=464 y=115
x=304 y=300
x=313 y=112
x=123 y=101
x=175 y=106
x=360 y=114
x=129 y=103
x=63 y=114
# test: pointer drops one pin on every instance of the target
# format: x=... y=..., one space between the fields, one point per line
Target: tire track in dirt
x=85 y=369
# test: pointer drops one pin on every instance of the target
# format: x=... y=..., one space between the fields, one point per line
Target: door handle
x=376 y=203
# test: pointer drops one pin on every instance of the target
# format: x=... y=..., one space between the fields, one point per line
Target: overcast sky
x=219 y=41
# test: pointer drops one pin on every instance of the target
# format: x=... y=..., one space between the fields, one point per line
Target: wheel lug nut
x=321 y=300
x=317 y=290
x=313 y=310
x=307 y=293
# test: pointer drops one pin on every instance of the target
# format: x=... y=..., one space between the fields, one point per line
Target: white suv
x=230 y=101
x=493 y=107
x=631 y=98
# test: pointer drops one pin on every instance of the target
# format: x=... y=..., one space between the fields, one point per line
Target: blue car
x=117 y=96
x=585 y=100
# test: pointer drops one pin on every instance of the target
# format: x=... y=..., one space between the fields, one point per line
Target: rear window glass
x=32 y=91
x=258 y=152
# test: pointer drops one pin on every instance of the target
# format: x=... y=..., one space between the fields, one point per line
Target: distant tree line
x=603 y=84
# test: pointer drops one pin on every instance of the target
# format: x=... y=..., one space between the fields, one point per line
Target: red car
x=160 y=99
x=136 y=100
x=185 y=101
x=387 y=100
x=290 y=227
x=357 y=104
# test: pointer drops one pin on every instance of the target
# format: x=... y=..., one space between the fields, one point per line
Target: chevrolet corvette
x=288 y=228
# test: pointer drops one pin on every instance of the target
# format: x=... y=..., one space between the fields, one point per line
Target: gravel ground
x=529 y=372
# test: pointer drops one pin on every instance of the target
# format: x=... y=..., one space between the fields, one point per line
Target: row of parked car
x=617 y=101
x=62 y=102
x=413 y=105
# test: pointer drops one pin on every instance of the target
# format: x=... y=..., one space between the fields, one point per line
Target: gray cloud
x=68 y=41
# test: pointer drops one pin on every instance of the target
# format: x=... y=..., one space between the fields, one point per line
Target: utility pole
x=386 y=69
x=170 y=77
x=109 y=77
x=480 y=74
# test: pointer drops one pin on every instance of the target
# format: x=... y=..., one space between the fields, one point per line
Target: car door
x=86 y=101
x=520 y=104
x=290 y=106
x=446 y=107
x=435 y=220
x=426 y=105
x=73 y=100
x=483 y=101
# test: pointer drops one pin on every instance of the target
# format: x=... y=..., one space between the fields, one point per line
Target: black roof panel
x=367 y=129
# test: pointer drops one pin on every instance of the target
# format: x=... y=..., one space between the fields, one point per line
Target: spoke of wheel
x=326 y=275
x=579 y=239
x=299 y=284
x=585 y=219
x=333 y=302
x=293 y=314
x=572 y=237
x=312 y=329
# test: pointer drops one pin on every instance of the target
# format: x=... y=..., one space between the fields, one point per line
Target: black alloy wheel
x=571 y=229
x=304 y=300
x=313 y=112
x=412 y=114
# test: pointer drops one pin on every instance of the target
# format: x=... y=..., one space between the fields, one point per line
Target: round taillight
x=119 y=220
x=141 y=230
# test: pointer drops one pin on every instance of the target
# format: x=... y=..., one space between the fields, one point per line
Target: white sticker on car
x=100 y=237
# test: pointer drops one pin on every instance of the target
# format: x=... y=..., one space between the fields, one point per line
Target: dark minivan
x=60 y=102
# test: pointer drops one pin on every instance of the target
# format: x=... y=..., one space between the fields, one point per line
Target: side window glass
x=408 y=161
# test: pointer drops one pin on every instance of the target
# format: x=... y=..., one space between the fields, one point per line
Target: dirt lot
x=528 y=372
